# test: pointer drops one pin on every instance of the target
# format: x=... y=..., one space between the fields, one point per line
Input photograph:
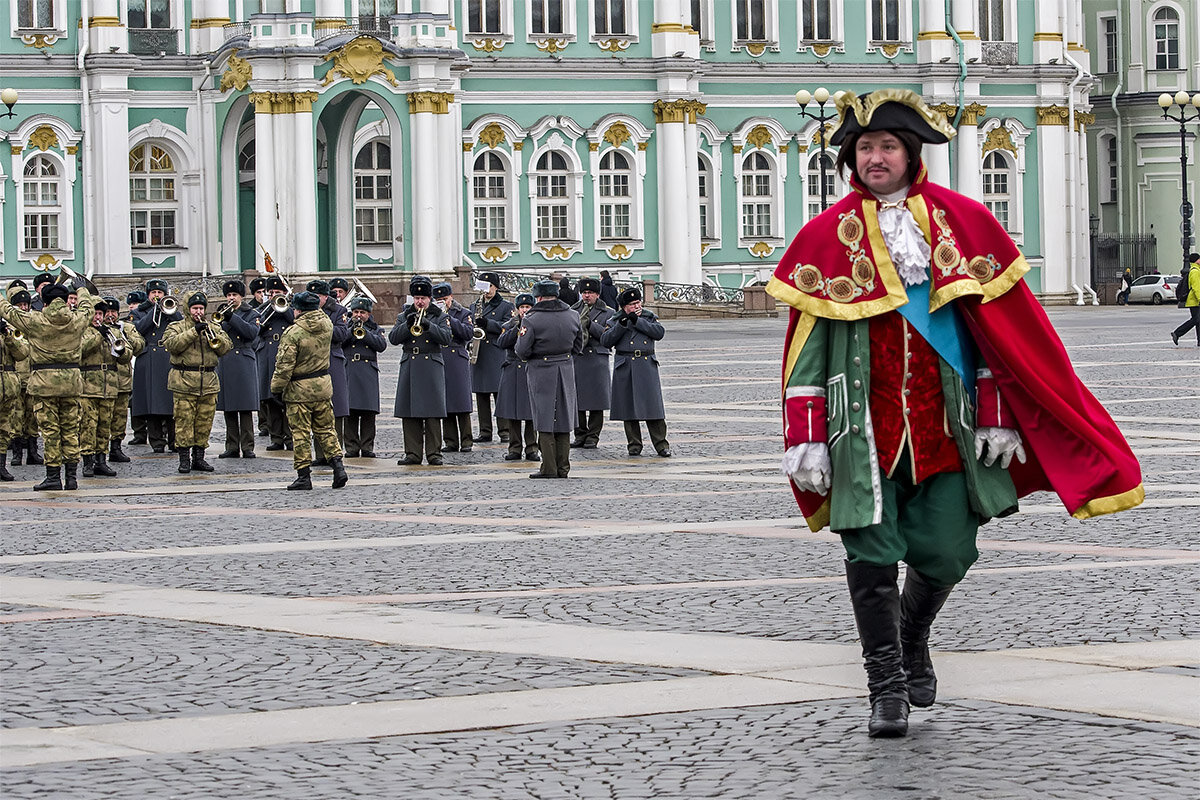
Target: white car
x=1156 y=289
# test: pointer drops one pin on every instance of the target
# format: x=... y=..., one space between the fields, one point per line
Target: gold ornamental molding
x=614 y=45
x=45 y=262
x=488 y=45
x=761 y=250
x=72 y=149
x=737 y=148
x=999 y=139
x=783 y=148
x=972 y=113
x=104 y=22
x=890 y=50
x=1047 y=37
x=492 y=135
x=17 y=149
x=359 y=60
x=828 y=131
x=1083 y=119
x=1052 y=115
x=209 y=22
x=759 y=136
x=643 y=145
x=968 y=36
x=667 y=111
x=283 y=102
x=518 y=146
x=948 y=110
x=925 y=36
x=593 y=146
x=1076 y=46
x=44 y=138
x=756 y=49
x=430 y=102
x=468 y=147
x=556 y=253
x=617 y=134
x=822 y=50
x=494 y=255
x=619 y=252
x=671 y=27
x=551 y=45
x=238 y=73
x=328 y=23
x=39 y=40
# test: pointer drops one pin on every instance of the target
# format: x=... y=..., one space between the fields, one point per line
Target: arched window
x=997 y=187
x=490 y=194
x=43 y=195
x=757 y=196
x=616 y=202
x=152 y=206
x=707 y=215
x=551 y=203
x=814 y=183
x=373 y=194
x=1166 y=39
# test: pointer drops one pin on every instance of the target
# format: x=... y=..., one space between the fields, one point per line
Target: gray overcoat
x=150 y=394
x=273 y=326
x=513 y=400
x=421 y=387
x=549 y=339
x=485 y=374
x=636 y=390
x=593 y=382
x=238 y=369
x=458 y=362
x=340 y=316
x=362 y=368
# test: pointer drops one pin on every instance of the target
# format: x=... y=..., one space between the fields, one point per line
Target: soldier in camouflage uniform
x=25 y=430
x=136 y=344
x=102 y=351
x=301 y=381
x=195 y=344
x=55 y=337
x=12 y=350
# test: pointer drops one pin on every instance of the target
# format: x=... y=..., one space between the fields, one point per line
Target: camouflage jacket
x=302 y=364
x=98 y=365
x=12 y=352
x=55 y=336
x=193 y=358
x=136 y=344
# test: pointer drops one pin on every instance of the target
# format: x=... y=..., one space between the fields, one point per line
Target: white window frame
x=770 y=40
x=58 y=17
x=1106 y=55
x=634 y=149
x=1018 y=133
x=707 y=31
x=780 y=138
x=66 y=162
x=1008 y=18
x=149 y=206
x=572 y=197
x=545 y=41
x=375 y=203
x=774 y=226
x=1008 y=171
x=905 y=33
x=38 y=209
x=1152 y=38
x=811 y=172
x=507 y=202
x=709 y=150
x=616 y=167
x=837 y=28
x=709 y=216
x=498 y=40
x=1108 y=175
x=631 y=25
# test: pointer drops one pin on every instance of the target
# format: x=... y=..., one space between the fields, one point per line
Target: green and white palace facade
x=657 y=139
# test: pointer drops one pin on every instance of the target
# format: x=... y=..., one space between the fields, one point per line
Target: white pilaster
x=672 y=32
x=1052 y=144
x=691 y=160
x=298 y=213
x=450 y=186
x=1048 y=31
x=937 y=162
x=963 y=18
x=209 y=18
x=967 y=152
x=674 y=238
x=265 y=209
x=425 y=229
x=106 y=27
x=106 y=158
x=933 y=43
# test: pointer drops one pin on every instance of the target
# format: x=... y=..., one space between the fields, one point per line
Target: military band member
x=41 y=282
x=512 y=403
x=136 y=424
x=258 y=293
x=422 y=330
x=26 y=431
x=136 y=344
x=274 y=323
x=362 y=351
x=55 y=336
x=151 y=397
x=103 y=350
x=485 y=374
x=195 y=344
x=301 y=381
x=339 y=315
x=456 y=427
x=14 y=347
x=636 y=390
x=549 y=338
x=238 y=372
x=593 y=379
x=339 y=289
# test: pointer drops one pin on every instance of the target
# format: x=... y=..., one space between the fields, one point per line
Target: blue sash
x=944 y=330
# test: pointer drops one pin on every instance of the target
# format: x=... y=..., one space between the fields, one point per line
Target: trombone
x=168 y=305
x=278 y=305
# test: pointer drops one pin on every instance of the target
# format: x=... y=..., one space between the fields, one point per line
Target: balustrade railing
x=698 y=294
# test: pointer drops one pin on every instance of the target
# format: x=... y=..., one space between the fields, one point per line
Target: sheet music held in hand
x=481 y=286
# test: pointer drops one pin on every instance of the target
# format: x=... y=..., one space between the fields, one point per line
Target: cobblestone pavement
x=651 y=628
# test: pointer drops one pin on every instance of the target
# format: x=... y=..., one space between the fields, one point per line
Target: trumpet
x=116 y=346
x=208 y=334
x=417 y=328
x=224 y=312
x=359 y=331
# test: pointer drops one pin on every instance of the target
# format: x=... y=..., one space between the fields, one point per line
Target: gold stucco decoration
x=614 y=45
x=430 y=102
x=890 y=50
x=39 y=40
x=44 y=138
x=494 y=255
x=45 y=262
x=551 y=45
x=1052 y=115
x=283 y=102
x=488 y=45
x=972 y=113
x=1083 y=119
x=17 y=149
x=821 y=50
x=491 y=135
x=761 y=250
x=948 y=110
x=759 y=136
x=556 y=253
x=617 y=134
x=999 y=139
x=756 y=49
x=359 y=60
x=238 y=73
x=737 y=148
x=619 y=252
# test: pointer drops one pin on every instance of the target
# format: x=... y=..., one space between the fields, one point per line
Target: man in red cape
x=925 y=391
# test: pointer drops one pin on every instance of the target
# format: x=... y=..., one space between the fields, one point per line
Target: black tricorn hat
x=233 y=286
x=628 y=296
x=588 y=285
x=890 y=110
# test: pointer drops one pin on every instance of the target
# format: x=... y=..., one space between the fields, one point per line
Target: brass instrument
x=477 y=334
x=209 y=335
x=277 y=306
x=116 y=346
x=224 y=312
x=417 y=328
x=66 y=275
x=359 y=331
x=168 y=305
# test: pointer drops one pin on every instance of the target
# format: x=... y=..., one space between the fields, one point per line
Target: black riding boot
x=303 y=479
x=18 y=450
x=198 y=462
x=69 y=481
x=34 y=457
x=88 y=472
x=5 y=475
x=100 y=466
x=339 y=472
x=185 y=461
x=919 y=604
x=876 y=601
x=52 y=481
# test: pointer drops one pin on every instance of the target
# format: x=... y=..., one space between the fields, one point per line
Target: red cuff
x=804 y=420
x=992 y=412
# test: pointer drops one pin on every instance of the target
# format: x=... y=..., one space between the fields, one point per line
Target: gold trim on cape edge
x=1113 y=504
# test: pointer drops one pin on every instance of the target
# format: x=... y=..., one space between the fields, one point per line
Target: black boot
x=303 y=479
x=876 y=601
x=52 y=481
x=35 y=458
x=101 y=468
x=69 y=481
x=198 y=462
x=115 y=454
x=5 y=475
x=185 y=461
x=18 y=450
x=339 y=473
x=919 y=604
x=88 y=470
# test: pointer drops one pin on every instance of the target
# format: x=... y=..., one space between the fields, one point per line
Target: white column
x=673 y=216
x=937 y=162
x=671 y=31
x=695 y=273
x=1048 y=31
x=962 y=17
x=299 y=211
x=970 y=181
x=424 y=169
x=265 y=227
x=933 y=43
x=209 y=18
x=106 y=27
x=106 y=160
x=1052 y=144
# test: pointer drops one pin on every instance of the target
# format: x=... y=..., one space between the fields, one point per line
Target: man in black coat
x=549 y=339
x=456 y=427
x=151 y=398
x=362 y=351
x=238 y=372
x=608 y=289
x=593 y=382
x=490 y=316
x=422 y=330
x=258 y=293
x=271 y=411
x=636 y=390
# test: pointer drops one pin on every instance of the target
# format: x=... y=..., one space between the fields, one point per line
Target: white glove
x=1002 y=443
x=807 y=465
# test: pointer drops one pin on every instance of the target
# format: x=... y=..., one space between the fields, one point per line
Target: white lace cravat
x=905 y=242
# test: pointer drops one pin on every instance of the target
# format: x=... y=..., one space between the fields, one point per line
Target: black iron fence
x=1112 y=255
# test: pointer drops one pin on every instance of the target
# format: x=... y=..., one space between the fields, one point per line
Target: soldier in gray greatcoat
x=238 y=397
x=273 y=324
x=490 y=317
x=593 y=381
x=456 y=427
x=339 y=315
x=549 y=338
x=636 y=390
x=422 y=330
x=362 y=351
x=512 y=403
x=151 y=398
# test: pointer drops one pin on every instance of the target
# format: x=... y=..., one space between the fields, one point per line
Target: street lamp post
x=1180 y=101
x=821 y=96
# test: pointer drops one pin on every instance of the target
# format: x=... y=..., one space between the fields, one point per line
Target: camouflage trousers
x=10 y=423
x=95 y=417
x=194 y=419
x=308 y=421
x=27 y=416
x=120 y=413
x=58 y=418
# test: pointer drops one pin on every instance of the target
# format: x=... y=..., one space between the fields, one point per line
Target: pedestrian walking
x=1190 y=276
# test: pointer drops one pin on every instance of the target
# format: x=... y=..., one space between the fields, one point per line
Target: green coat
x=55 y=336
x=193 y=359
x=98 y=366
x=304 y=350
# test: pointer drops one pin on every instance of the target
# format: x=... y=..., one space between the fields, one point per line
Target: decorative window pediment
x=555 y=187
x=617 y=154
x=492 y=156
